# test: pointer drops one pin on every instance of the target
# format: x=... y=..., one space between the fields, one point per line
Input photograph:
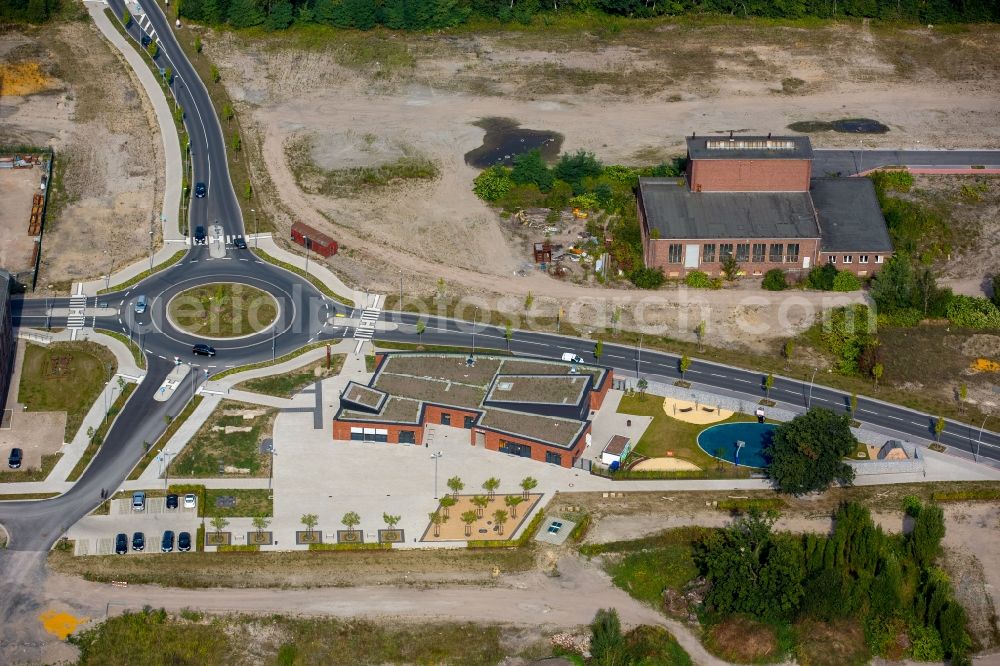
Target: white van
x=572 y=358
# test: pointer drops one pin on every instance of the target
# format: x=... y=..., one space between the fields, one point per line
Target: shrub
x=822 y=277
x=973 y=312
x=647 y=278
x=530 y=168
x=846 y=281
x=774 y=280
x=698 y=280
x=996 y=290
x=493 y=183
x=585 y=202
x=906 y=317
x=574 y=168
x=898 y=180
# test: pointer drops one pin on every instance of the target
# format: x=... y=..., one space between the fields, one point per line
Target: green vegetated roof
x=558 y=431
x=363 y=395
x=545 y=389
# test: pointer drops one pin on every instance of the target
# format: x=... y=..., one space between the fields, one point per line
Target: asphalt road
x=850 y=162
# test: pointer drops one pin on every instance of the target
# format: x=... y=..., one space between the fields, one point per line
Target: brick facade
x=861 y=264
x=567 y=456
x=769 y=175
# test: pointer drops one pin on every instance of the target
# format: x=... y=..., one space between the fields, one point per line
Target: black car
x=121 y=543
x=201 y=349
x=14 y=460
x=167 y=545
x=200 y=190
x=184 y=542
x=199 y=235
x=240 y=243
x=171 y=501
x=138 y=541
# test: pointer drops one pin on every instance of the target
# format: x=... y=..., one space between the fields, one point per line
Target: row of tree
x=29 y=11
x=889 y=583
x=436 y=14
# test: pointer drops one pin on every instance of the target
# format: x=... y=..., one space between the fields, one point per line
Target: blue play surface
x=722 y=439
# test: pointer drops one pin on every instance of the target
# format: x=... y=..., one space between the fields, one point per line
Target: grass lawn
x=154 y=637
x=249 y=502
x=175 y=424
x=32 y=474
x=666 y=433
x=65 y=377
x=264 y=364
x=289 y=383
x=94 y=445
x=223 y=310
x=210 y=448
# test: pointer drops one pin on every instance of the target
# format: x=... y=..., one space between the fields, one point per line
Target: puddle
x=505 y=139
x=844 y=125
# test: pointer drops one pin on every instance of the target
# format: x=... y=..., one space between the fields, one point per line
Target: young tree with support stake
x=436 y=520
x=490 y=485
x=456 y=485
x=446 y=503
x=938 y=428
x=260 y=523
x=684 y=364
x=309 y=521
x=768 y=385
x=218 y=523
x=480 y=502
x=390 y=520
x=512 y=501
x=468 y=518
x=527 y=485
x=351 y=520
x=598 y=349
x=499 y=518
x=508 y=333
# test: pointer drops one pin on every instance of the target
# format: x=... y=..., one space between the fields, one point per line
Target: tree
x=493 y=184
x=179 y=114
x=490 y=485
x=530 y=169
x=774 y=280
x=527 y=485
x=227 y=113
x=197 y=44
x=788 y=349
x=260 y=523
x=455 y=485
x=928 y=530
x=528 y=301
x=996 y=290
x=351 y=520
x=390 y=520
x=244 y=14
x=126 y=17
x=938 y=428
x=436 y=521
x=421 y=327
x=699 y=332
x=647 y=278
x=807 y=453
x=499 y=518
x=963 y=393
x=446 y=503
x=642 y=385
x=512 y=501
x=730 y=268
x=480 y=502
x=877 y=371
x=469 y=517
x=235 y=142
x=153 y=49
x=508 y=333
x=684 y=364
x=822 y=277
x=607 y=645
x=854 y=404
x=892 y=287
x=598 y=349
x=280 y=16
x=218 y=523
x=574 y=168
x=309 y=520
x=248 y=191
x=846 y=281
x=768 y=384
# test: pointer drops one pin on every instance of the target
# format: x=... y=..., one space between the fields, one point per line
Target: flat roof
x=749 y=148
x=395 y=410
x=542 y=389
x=850 y=218
x=431 y=390
x=363 y=395
x=553 y=430
x=674 y=211
x=538 y=366
x=616 y=446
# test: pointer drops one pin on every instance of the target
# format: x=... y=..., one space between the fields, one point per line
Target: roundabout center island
x=223 y=310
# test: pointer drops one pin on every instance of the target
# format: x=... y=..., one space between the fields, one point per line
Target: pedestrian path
x=369 y=318
x=77 y=312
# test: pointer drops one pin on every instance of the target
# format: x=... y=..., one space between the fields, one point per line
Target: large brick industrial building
x=755 y=198
x=524 y=407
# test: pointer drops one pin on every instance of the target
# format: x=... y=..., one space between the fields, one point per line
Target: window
x=708 y=253
x=674 y=253
x=406 y=437
x=759 y=250
x=863 y=259
x=878 y=258
x=515 y=449
x=833 y=258
x=793 y=253
x=553 y=458
x=469 y=422
x=445 y=419
x=357 y=434
x=777 y=250
x=848 y=259
x=743 y=252
x=725 y=251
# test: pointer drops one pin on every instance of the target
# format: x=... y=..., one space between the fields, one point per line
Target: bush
x=822 y=277
x=774 y=280
x=846 y=281
x=493 y=183
x=973 y=312
x=996 y=290
x=530 y=168
x=647 y=278
x=698 y=280
x=898 y=180
x=585 y=202
x=907 y=317
x=574 y=168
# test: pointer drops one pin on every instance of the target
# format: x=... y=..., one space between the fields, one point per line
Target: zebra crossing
x=230 y=239
x=77 y=317
x=365 y=329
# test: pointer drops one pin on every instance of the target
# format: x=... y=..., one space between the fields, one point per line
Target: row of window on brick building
x=777 y=253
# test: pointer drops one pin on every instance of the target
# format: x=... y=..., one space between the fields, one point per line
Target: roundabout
x=223 y=310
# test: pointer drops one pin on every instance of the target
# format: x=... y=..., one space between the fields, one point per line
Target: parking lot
x=95 y=535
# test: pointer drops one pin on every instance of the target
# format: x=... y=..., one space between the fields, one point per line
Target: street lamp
x=151 y=248
x=270 y=474
x=111 y=265
x=107 y=388
x=979 y=442
x=638 y=358
x=256 y=229
x=166 y=467
x=475 y=320
x=435 y=457
x=307 y=253
x=810 y=397
x=400 y=290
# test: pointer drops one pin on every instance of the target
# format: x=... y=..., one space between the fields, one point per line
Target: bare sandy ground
x=630 y=98
x=101 y=125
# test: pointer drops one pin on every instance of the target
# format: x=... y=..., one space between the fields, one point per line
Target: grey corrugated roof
x=850 y=219
x=677 y=212
x=749 y=148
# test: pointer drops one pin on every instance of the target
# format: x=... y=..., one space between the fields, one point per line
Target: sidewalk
x=316 y=267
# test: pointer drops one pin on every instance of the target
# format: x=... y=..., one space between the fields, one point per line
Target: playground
x=739 y=443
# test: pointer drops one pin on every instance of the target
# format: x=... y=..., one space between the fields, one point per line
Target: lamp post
x=435 y=457
x=151 y=249
x=475 y=320
x=256 y=229
x=307 y=252
x=111 y=265
x=979 y=442
x=400 y=290
x=810 y=397
x=638 y=357
x=270 y=474
x=107 y=388
x=274 y=328
x=166 y=467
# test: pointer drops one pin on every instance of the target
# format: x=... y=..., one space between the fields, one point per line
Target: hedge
x=580 y=529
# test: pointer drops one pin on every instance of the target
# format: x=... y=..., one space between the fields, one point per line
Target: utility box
x=313 y=239
x=617 y=450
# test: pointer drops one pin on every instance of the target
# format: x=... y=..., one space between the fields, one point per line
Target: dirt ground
x=109 y=161
x=483 y=529
x=17 y=188
x=629 y=97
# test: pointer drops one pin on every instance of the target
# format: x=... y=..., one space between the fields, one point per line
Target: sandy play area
x=453 y=529
x=663 y=465
x=693 y=412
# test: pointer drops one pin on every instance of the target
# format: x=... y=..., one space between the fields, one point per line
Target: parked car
x=138 y=501
x=121 y=543
x=190 y=501
x=201 y=349
x=199 y=235
x=200 y=190
x=572 y=358
x=184 y=542
x=171 y=501
x=138 y=541
x=140 y=304
x=15 y=457
x=240 y=243
x=167 y=545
